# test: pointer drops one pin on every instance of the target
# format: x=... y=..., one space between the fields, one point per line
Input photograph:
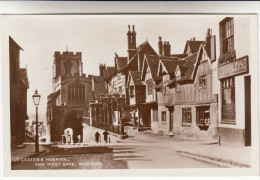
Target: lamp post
x=36 y=99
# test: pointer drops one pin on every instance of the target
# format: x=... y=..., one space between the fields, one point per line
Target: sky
x=98 y=37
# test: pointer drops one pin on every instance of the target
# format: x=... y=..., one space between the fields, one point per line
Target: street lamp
x=36 y=99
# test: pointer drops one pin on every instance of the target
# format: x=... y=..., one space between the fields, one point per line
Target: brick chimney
x=160 y=45
x=131 y=37
x=168 y=52
x=208 y=36
x=166 y=48
x=129 y=34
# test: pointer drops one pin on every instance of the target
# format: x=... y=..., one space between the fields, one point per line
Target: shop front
x=235 y=97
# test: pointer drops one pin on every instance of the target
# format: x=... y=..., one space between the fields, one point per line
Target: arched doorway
x=73 y=123
x=68 y=136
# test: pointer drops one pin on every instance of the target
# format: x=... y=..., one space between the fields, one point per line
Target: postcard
x=125 y=94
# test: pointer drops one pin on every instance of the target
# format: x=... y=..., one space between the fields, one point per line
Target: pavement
x=26 y=151
x=205 y=151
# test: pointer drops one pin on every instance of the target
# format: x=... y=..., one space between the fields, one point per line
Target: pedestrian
x=105 y=135
x=97 y=135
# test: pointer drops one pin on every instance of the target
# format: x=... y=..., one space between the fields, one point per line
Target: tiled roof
x=109 y=71
x=194 y=46
x=188 y=67
x=121 y=62
x=179 y=55
x=136 y=75
x=138 y=49
x=153 y=63
x=171 y=65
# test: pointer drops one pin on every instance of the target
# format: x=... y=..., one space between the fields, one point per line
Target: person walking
x=97 y=136
x=105 y=135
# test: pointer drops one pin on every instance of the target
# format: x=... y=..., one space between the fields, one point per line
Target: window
x=186 y=115
x=76 y=92
x=120 y=90
x=227 y=35
x=203 y=116
x=150 y=87
x=163 y=116
x=228 y=100
x=203 y=81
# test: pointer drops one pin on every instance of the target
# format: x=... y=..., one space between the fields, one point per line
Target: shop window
x=203 y=81
x=186 y=116
x=150 y=87
x=228 y=100
x=203 y=117
x=227 y=35
x=163 y=116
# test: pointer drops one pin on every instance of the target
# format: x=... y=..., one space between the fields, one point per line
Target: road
x=137 y=152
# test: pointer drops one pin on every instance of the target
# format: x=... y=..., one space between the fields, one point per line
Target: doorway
x=247 y=110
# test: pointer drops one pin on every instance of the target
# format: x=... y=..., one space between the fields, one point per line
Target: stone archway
x=74 y=122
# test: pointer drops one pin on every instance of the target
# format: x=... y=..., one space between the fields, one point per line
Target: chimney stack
x=133 y=38
x=208 y=36
x=168 y=49
x=129 y=38
x=160 y=45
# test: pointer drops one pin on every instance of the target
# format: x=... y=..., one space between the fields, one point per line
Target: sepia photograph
x=124 y=92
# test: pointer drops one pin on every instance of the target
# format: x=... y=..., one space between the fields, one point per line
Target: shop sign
x=240 y=66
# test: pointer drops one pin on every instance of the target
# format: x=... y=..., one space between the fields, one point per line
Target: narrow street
x=144 y=151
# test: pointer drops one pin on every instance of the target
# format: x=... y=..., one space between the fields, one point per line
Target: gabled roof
x=152 y=62
x=136 y=76
x=188 y=67
x=11 y=41
x=109 y=71
x=139 y=49
x=170 y=65
x=194 y=46
x=120 y=62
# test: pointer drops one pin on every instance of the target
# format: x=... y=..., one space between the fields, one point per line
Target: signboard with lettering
x=240 y=66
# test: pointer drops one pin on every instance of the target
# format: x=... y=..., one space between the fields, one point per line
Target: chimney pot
x=133 y=27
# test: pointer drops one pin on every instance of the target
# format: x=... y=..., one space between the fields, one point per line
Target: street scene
x=130 y=92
